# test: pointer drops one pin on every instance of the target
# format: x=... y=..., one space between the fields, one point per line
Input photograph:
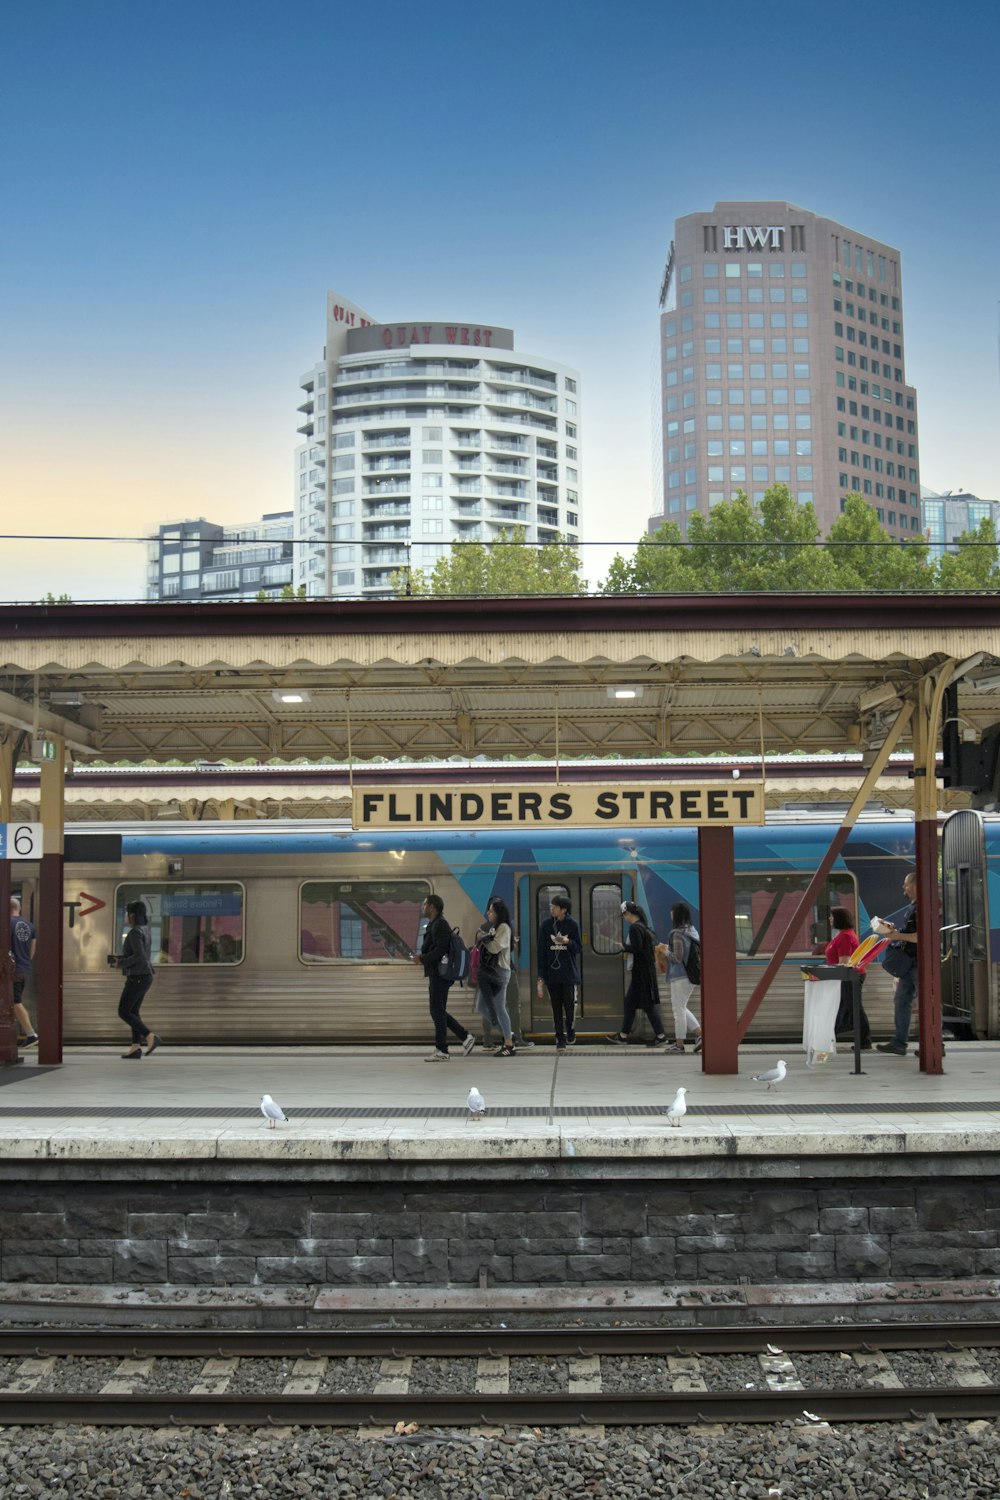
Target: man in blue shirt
x=23 y=941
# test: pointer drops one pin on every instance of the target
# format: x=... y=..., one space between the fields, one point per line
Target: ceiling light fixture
x=625 y=694
x=291 y=695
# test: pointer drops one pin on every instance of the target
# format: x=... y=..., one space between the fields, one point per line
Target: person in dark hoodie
x=433 y=956
x=559 y=949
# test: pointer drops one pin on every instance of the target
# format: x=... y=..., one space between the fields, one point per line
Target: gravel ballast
x=909 y=1461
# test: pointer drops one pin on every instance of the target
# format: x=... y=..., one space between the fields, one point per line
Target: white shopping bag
x=821 y=1002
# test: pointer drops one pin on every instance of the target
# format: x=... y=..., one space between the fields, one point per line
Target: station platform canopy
x=552 y=677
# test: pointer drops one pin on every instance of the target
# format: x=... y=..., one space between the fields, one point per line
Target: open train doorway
x=596 y=904
x=965 y=954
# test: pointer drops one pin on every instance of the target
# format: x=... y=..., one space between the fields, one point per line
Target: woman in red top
x=838 y=951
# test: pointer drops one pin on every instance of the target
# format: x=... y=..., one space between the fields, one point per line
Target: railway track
x=582 y=1378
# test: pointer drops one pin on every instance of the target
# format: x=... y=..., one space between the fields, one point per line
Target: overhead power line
x=358 y=541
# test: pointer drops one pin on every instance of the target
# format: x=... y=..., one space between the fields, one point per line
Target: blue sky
x=183 y=182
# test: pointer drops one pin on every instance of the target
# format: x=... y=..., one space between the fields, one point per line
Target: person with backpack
x=644 y=991
x=682 y=955
x=435 y=957
x=494 y=942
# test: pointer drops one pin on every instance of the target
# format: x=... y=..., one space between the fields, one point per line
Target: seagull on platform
x=272 y=1112
x=477 y=1104
x=678 y=1109
x=772 y=1077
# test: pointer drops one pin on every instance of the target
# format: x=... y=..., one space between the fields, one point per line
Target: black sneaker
x=29 y=1041
x=505 y=1051
x=571 y=1039
x=890 y=1047
x=560 y=1046
x=616 y=1039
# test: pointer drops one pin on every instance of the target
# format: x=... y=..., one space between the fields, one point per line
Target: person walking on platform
x=433 y=956
x=137 y=967
x=559 y=949
x=676 y=951
x=23 y=942
x=838 y=950
x=902 y=947
x=494 y=943
x=512 y=998
x=644 y=991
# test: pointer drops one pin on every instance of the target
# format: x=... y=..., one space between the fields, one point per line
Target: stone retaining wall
x=631 y=1226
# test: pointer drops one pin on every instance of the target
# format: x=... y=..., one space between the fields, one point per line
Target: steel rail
x=670 y=1408
x=474 y=1342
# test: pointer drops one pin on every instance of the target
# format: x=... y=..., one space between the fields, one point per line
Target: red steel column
x=8 y=1028
x=929 y=948
x=49 y=953
x=717 y=909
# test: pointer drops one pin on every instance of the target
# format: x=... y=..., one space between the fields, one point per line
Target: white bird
x=477 y=1104
x=678 y=1109
x=772 y=1077
x=272 y=1112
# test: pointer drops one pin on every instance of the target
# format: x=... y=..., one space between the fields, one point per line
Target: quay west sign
x=403 y=335
x=580 y=805
x=752 y=237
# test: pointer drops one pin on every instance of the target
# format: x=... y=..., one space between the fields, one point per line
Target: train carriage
x=301 y=932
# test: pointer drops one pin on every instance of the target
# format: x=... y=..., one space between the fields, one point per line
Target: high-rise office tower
x=782 y=361
x=422 y=433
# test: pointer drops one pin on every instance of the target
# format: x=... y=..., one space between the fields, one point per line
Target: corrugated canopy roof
x=420 y=677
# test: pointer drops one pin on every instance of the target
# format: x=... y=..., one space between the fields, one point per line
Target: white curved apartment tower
x=422 y=433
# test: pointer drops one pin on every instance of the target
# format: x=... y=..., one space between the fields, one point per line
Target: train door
x=597 y=903
x=965 y=978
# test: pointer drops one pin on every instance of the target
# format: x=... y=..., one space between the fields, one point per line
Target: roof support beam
x=21 y=715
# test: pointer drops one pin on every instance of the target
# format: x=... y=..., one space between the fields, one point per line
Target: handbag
x=898 y=961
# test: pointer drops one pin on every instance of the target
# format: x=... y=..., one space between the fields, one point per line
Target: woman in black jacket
x=644 y=991
x=138 y=970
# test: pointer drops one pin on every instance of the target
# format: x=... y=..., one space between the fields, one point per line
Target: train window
x=360 y=919
x=606 y=918
x=764 y=907
x=189 y=923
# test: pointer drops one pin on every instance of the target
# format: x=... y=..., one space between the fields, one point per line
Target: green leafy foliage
x=474 y=570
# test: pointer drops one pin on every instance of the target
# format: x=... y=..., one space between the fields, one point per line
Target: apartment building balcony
x=507 y=468
x=379 y=512
x=469 y=486
x=470 y=440
x=502 y=513
x=386 y=465
x=398 y=440
x=547 y=517
x=467 y=466
x=306 y=429
x=505 y=444
x=385 y=487
x=394 y=557
x=512 y=398
x=522 y=377
x=547 y=475
x=308 y=406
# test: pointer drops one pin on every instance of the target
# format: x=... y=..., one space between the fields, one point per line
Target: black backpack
x=455 y=964
x=692 y=964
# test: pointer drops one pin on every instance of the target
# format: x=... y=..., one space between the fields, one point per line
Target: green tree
x=661 y=565
x=972 y=566
x=728 y=556
x=476 y=570
x=290 y=591
x=869 y=563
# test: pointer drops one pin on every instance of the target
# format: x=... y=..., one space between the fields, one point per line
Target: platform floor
x=387 y=1102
